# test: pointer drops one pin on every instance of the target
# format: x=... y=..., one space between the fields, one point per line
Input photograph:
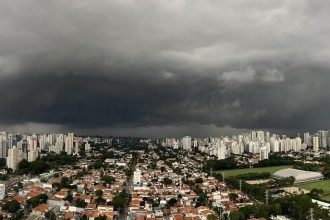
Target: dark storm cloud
x=147 y=66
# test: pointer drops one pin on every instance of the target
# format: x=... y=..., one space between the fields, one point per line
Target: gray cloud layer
x=143 y=64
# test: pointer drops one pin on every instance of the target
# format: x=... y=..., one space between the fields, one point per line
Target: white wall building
x=186 y=143
x=15 y=156
x=315 y=143
x=137 y=177
x=2 y=191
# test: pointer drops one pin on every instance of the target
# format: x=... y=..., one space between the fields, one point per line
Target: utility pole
x=220 y=214
x=267 y=197
x=240 y=185
x=312 y=215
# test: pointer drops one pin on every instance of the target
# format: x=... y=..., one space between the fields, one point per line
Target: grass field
x=235 y=172
x=324 y=184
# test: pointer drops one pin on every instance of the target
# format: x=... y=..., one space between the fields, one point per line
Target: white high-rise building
x=76 y=147
x=43 y=142
x=263 y=153
x=87 y=147
x=195 y=143
x=274 y=145
x=15 y=156
x=297 y=145
x=32 y=143
x=137 y=177
x=253 y=136
x=307 y=139
x=69 y=143
x=267 y=134
x=260 y=136
x=2 y=191
x=323 y=139
x=3 y=145
x=32 y=155
x=221 y=150
x=316 y=143
x=186 y=143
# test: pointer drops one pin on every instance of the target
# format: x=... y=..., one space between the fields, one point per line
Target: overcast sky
x=165 y=67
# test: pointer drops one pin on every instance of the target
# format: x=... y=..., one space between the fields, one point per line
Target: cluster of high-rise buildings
x=16 y=147
x=256 y=142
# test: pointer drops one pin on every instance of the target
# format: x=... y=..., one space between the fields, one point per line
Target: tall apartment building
x=137 y=176
x=186 y=143
x=2 y=191
x=315 y=143
x=15 y=156
x=69 y=143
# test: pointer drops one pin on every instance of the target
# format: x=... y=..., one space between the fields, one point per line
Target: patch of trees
x=233 y=181
x=202 y=198
x=55 y=160
x=66 y=182
x=276 y=160
x=225 y=164
x=257 y=211
x=307 y=167
x=11 y=206
x=4 y=177
x=99 y=197
x=315 y=193
x=36 y=200
x=171 y=202
x=34 y=167
x=44 y=164
x=120 y=200
x=167 y=181
x=50 y=215
x=296 y=207
x=257 y=191
x=283 y=182
x=80 y=203
x=108 y=179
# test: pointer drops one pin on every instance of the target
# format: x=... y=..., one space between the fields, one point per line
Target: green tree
x=119 y=201
x=167 y=181
x=172 y=202
x=199 y=180
x=315 y=193
x=108 y=179
x=69 y=197
x=11 y=206
x=50 y=215
x=36 y=200
x=233 y=196
x=23 y=167
x=237 y=215
x=212 y=217
x=18 y=216
x=80 y=203
x=99 y=193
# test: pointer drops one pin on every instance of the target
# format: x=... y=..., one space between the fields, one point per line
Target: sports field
x=324 y=184
x=235 y=172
